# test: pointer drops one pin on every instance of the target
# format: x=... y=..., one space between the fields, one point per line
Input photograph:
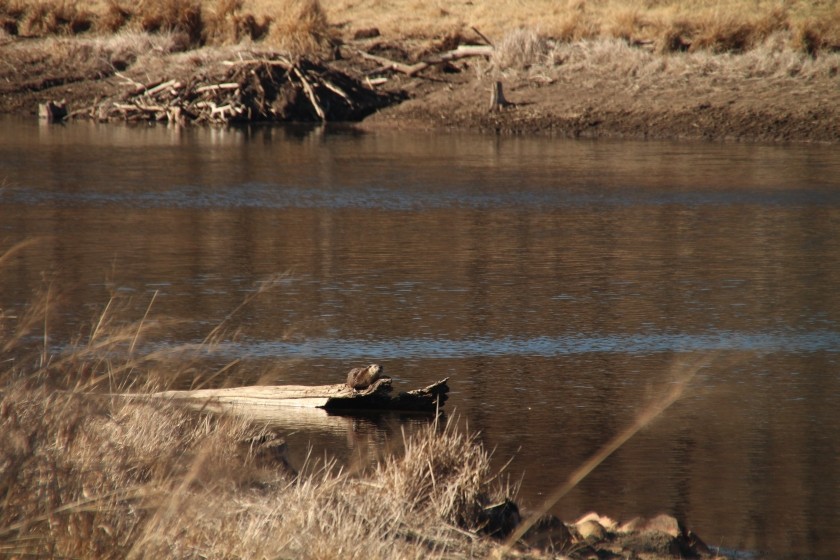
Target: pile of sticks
x=269 y=88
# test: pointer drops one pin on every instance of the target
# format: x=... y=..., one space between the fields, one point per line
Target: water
x=562 y=285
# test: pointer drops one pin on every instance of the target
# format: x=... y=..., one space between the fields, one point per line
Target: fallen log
x=333 y=398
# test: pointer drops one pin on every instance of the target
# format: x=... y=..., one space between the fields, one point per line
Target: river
x=562 y=285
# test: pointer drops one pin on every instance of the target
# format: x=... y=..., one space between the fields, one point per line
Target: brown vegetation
x=87 y=474
x=296 y=26
x=302 y=26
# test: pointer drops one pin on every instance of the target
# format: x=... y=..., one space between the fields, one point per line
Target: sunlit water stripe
x=329 y=348
x=374 y=197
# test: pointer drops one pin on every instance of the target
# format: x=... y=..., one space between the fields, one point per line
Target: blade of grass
x=647 y=416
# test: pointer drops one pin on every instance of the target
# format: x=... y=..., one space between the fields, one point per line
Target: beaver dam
x=266 y=87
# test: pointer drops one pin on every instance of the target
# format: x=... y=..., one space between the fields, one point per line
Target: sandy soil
x=592 y=89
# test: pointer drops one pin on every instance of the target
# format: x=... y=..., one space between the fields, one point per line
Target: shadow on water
x=556 y=282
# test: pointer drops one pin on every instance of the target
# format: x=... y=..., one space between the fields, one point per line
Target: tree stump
x=497 y=98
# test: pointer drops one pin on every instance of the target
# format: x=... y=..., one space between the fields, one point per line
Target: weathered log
x=462 y=51
x=160 y=87
x=217 y=87
x=329 y=397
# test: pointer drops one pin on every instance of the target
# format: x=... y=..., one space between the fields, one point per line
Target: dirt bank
x=601 y=88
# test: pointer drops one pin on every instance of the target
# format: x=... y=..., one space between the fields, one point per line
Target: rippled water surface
x=561 y=285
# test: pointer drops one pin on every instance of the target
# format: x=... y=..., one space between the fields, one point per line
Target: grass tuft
x=299 y=27
x=519 y=50
x=228 y=23
x=54 y=17
x=172 y=16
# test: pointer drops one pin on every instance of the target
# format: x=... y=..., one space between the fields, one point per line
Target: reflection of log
x=330 y=397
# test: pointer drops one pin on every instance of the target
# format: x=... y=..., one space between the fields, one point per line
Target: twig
x=217 y=87
x=160 y=87
x=334 y=88
x=135 y=83
x=407 y=69
x=140 y=326
x=482 y=35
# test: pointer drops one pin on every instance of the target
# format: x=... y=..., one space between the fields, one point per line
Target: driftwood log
x=258 y=399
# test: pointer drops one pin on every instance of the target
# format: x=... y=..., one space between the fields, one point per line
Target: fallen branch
x=310 y=93
x=462 y=51
x=407 y=69
x=217 y=87
x=160 y=87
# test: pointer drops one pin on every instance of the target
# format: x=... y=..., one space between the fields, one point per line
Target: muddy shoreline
x=595 y=89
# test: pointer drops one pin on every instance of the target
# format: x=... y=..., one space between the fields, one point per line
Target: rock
x=651 y=542
x=548 y=533
x=591 y=530
x=663 y=534
x=630 y=526
x=500 y=519
x=664 y=524
x=606 y=522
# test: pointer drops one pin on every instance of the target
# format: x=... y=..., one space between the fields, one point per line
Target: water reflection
x=559 y=284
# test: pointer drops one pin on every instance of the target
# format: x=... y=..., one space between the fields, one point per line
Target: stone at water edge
x=591 y=530
x=606 y=522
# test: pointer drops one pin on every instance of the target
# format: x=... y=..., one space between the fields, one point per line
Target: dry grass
x=295 y=25
x=309 y=25
x=300 y=26
x=87 y=474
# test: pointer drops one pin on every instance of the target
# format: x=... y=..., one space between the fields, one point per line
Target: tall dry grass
x=86 y=473
x=303 y=25
x=295 y=25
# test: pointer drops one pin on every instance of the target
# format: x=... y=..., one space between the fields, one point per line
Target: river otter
x=363 y=377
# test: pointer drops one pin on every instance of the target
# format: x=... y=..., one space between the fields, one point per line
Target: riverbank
x=592 y=87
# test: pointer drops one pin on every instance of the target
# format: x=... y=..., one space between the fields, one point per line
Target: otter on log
x=363 y=377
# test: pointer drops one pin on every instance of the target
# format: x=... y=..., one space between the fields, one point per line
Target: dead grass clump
x=58 y=17
x=731 y=32
x=173 y=16
x=816 y=34
x=11 y=12
x=628 y=23
x=446 y=473
x=300 y=27
x=82 y=474
x=576 y=23
x=227 y=23
x=520 y=49
x=114 y=18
